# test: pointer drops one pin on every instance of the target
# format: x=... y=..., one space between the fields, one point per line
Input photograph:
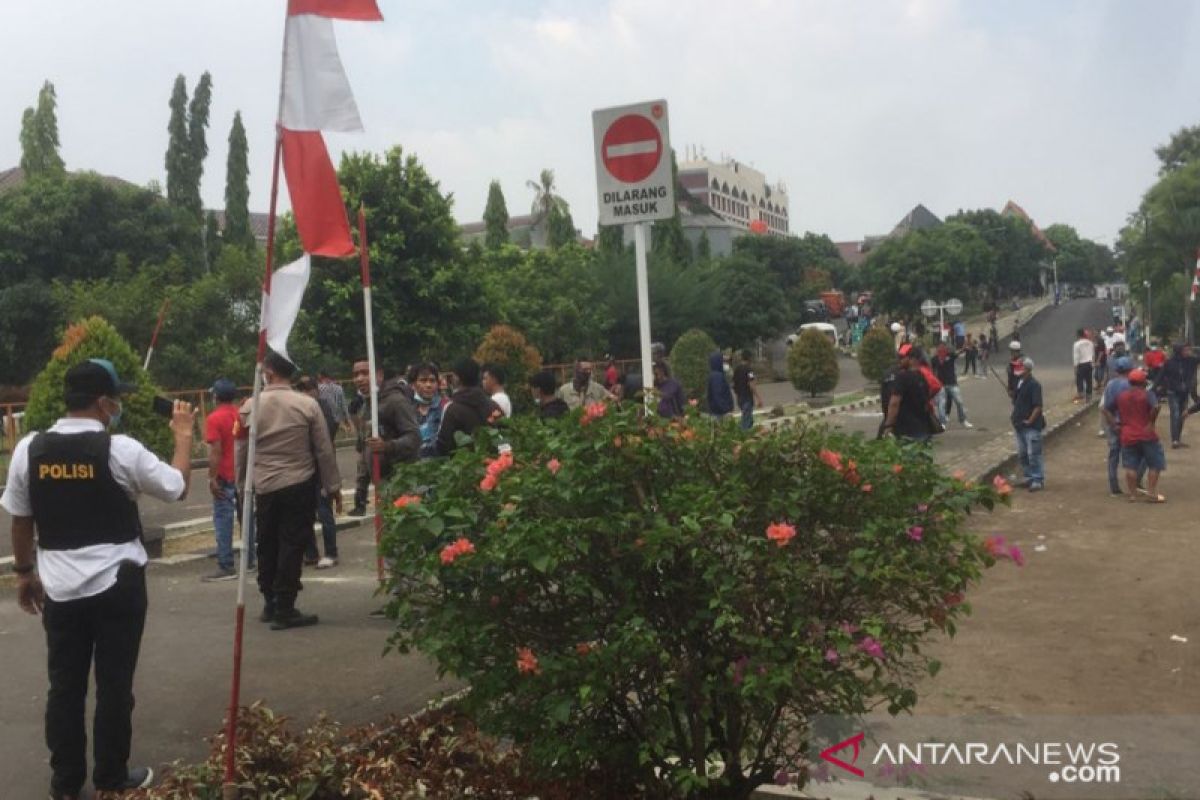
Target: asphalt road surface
x=1047 y=339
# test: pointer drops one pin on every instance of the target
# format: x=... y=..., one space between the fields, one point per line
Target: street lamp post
x=1148 y=316
x=953 y=307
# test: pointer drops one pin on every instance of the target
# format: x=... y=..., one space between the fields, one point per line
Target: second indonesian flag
x=317 y=97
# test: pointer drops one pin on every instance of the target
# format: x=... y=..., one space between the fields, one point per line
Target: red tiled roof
x=851 y=252
x=1014 y=210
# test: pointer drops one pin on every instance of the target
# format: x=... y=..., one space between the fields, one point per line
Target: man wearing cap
x=77 y=485
x=293 y=460
x=219 y=436
x=1015 y=366
x=1137 y=410
x=1111 y=419
x=906 y=413
x=1028 y=422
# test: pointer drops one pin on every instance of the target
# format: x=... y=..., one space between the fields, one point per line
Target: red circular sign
x=631 y=148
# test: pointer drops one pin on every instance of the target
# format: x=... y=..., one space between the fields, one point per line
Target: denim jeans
x=747 y=408
x=328 y=530
x=224 y=510
x=939 y=406
x=1029 y=451
x=1114 y=460
x=953 y=394
x=1178 y=403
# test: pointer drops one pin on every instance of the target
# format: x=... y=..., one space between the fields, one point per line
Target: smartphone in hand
x=164 y=407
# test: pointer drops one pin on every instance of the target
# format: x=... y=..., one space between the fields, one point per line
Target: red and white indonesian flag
x=317 y=97
x=1196 y=277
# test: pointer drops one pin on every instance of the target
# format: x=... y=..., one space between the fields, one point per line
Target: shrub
x=95 y=338
x=813 y=363
x=507 y=347
x=876 y=352
x=689 y=361
x=644 y=598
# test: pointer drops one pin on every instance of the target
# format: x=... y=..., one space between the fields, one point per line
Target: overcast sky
x=862 y=108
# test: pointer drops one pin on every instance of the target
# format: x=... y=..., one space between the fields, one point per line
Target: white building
x=738 y=193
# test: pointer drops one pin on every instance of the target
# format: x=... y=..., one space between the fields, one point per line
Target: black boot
x=288 y=616
x=269 y=610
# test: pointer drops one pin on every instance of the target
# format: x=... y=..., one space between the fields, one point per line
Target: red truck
x=835 y=303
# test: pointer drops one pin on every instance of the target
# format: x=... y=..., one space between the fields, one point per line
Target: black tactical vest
x=76 y=501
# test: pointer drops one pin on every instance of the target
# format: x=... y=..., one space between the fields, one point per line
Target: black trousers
x=284 y=524
x=1083 y=380
x=362 y=479
x=105 y=629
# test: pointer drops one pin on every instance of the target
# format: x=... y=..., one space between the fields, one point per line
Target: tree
x=187 y=146
x=703 y=248
x=610 y=241
x=689 y=361
x=951 y=260
x=1183 y=148
x=39 y=136
x=495 y=217
x=794 y=262
x=561 y=227
x=506 y=347
x=237 y=188
x=1017 y=254
x=749 y=306
x=666 y=235
x=812 y=363
x=431 y=300
x=178 y=161
x=95 y=338
x=876 y=352
x=30 y=320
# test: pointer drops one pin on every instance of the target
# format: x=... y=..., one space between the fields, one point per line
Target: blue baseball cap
x=1123 y=364
x=224 y=389
x=96 y=377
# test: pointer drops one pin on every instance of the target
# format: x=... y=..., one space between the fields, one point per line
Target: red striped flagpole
x=364 y=262
x=229 y=789
x=162 y=312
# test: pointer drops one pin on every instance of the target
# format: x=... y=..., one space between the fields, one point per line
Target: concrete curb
x=1051 y=431
x=770 y=423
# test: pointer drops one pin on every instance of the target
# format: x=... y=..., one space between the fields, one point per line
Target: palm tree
x=545 y=197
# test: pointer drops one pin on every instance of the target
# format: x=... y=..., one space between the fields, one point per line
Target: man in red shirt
x=1137 y=410
x=219 y=435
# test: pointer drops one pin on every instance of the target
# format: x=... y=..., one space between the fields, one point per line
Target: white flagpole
x=364 y=261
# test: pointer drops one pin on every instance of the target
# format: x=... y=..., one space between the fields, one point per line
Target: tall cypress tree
x=178 y=151
x=495 y=218
x=197 y=141
x=237 y=187
x=39 y=135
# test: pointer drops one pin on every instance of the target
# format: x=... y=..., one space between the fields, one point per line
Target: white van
x=821 y=327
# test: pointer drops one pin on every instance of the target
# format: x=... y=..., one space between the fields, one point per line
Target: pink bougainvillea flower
x=831 y=656
x=693 y=403
x=871 y=647
x=488 y=483
x=1001 y=486
x=460 y=547
x=832 y=460
x=1016 y=555
x=527 y=663
x=915 y=532
x=959 y=475
x=923 y=508
x=996 y=545
x=497 y=466
x=848 y=628
x=554 y=465
x=867 y=488
x=406 y=500
x=897 y=469
x=780 y=533
x=593 y=411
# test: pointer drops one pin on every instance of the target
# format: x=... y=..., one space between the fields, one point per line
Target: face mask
x=115 y=419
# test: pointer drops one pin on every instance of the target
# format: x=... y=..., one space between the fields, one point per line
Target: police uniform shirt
x=87 y=571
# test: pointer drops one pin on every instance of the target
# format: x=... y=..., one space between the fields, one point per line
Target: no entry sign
x=633 y=163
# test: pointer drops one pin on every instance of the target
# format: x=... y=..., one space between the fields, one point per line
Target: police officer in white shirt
x=77 y=487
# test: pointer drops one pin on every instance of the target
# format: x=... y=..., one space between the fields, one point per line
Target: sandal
x=1156 y=498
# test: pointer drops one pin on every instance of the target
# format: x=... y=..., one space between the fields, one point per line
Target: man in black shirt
x=745 y=390
x=907 y=413
x=543 y=387
x=945 y=368
x=1028 y=422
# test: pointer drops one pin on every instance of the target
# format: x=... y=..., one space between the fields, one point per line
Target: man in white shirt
x=493 y=384
x=77 y=487
x=1083 y=356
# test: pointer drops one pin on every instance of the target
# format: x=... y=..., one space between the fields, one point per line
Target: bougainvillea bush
x=667 y=603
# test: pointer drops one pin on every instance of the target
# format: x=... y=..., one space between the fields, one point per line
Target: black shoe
x=292 y=619
x=138 y=778
x=358 y=511
x=268 y=614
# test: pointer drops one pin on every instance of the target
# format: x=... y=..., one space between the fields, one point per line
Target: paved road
x=198 y=504
x=1047 y=340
